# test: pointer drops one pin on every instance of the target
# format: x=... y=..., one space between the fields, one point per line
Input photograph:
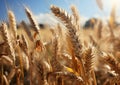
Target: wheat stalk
x=6 y=60
x=5 y=80
x=27 y=30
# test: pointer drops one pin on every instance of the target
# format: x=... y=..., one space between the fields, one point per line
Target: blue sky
x=87 y=8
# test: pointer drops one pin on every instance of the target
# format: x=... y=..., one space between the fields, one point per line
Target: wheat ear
x=12 y=23
x=7 y=40
x=88 y=66
x=113 y=63
x=76 y=16
x=32 y=20
x=54 y=62
x=76 y=45
x=71 y=29
x=99 y=31
x=88 y=60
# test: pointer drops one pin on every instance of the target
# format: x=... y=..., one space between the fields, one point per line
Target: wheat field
x=66 y=54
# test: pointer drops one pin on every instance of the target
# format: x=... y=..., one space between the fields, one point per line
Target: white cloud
x=52 y=20
x=46 y=19
x=83 y=19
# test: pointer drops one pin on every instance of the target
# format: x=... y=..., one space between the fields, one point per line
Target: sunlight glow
x=110 y=3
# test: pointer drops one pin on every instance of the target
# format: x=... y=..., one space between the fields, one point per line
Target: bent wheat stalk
x=76 y=45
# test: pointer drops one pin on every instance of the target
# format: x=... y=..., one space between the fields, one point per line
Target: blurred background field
x=53 y=42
